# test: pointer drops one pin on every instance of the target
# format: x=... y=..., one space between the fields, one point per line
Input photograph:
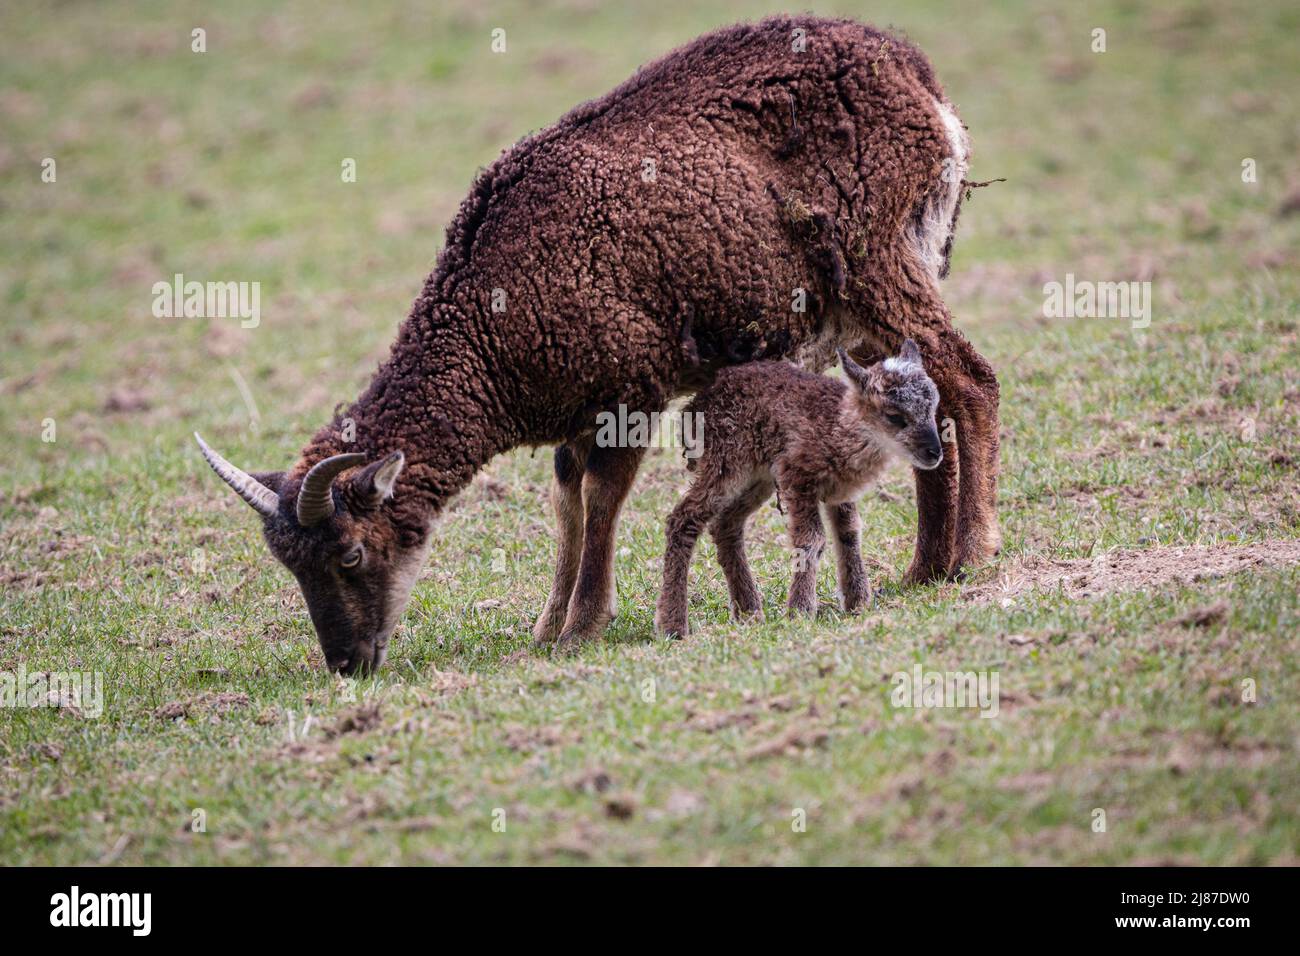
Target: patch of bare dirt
x=533 y=739
x=123 y=400
x=789 y=742
x=358 y=720
x=1204 y=616
x=211 y=703
x=1134 y=570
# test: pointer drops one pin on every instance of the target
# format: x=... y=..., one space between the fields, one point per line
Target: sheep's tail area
x=934 y=224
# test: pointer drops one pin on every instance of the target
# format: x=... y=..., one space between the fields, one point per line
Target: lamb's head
x=898 y=400
x=342 y=533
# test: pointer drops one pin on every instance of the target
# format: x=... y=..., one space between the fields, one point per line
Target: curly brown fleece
x=738 y=199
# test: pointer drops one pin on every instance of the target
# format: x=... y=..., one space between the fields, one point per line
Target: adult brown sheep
x=769 y=190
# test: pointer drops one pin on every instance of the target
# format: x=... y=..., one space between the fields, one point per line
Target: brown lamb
x=768 y=426
x=770 y=190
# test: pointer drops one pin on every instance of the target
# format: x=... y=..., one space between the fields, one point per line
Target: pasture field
x=1142 y=619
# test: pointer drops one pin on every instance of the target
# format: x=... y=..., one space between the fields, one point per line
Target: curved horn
x=315 y=502
x=263 y=499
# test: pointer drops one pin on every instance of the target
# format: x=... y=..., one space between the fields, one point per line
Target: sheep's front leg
x=855 y=590
x=566 y=499
x=808 y=539
x=605 y=483
x=728 y=530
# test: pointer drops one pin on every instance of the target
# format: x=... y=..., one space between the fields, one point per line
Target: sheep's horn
x=315 y=501
x=263 y=499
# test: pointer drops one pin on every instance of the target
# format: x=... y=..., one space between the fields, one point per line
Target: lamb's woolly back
x=814 y=441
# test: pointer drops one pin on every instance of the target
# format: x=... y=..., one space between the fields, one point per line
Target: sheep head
x=354 y=554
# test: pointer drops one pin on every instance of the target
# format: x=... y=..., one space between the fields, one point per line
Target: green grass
x=120 y=553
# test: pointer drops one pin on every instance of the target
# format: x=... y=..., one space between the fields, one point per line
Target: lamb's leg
x=808 y=539
x=855 y=590
x=728 y=530
x=605 y=483
x=693 y=513
x=566 y=498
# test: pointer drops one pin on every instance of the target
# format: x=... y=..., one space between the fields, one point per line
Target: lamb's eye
x=898 y=421
x=351 y=559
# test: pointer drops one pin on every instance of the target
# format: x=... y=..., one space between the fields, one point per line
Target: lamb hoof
x=856 y=603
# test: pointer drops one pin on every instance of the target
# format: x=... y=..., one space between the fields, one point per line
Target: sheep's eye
x=351 y=559
x=898 y=421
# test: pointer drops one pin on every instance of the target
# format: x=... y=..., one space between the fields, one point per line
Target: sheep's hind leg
x=978 y=535
x=566 y=499
x=936 y=518
x=855 y=590
x=967 y=479
x=605 y=483
x=728 y=530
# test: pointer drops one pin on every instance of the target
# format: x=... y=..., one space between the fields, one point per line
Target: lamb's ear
x=910 y=353
x=858 y=375
x=376 y=480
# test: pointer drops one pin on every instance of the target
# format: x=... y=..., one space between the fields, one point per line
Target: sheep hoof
x=925 y=573
x=547 y=629
x=576 y=635
x=747 y=615
x=671 y=629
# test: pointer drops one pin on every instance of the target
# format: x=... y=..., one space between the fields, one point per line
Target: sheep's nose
x=361 y=660
x=344 y=665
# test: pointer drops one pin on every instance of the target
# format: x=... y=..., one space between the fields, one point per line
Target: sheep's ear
x=910 y=353
x=376 y=480
x=272 y=479
x=858 y=375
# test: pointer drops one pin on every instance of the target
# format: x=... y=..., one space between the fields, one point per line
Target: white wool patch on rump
x=928 y=234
